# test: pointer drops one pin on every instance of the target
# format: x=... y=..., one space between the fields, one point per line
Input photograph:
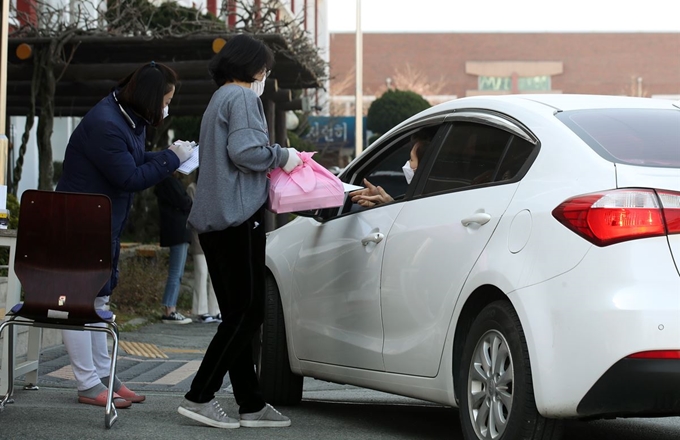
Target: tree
x=61 y=25
x=47 y=58
x=411 y=78
x=393 y=107
x=142 y=17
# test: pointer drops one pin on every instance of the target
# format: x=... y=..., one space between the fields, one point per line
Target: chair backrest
x=63 y=254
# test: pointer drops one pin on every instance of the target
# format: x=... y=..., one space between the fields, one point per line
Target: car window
x=383 y=167
x=470 y=155
x=385 y=171
x=388 y=173
x=518 y=153
x=644 y=137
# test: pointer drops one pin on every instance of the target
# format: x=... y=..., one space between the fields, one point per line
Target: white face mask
x=258 y=86
x=408 y=171
x=166 y=112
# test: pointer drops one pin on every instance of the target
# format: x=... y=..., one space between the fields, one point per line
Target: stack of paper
x=190 y=164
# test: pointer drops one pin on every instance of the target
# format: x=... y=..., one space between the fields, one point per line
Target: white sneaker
x=206 y=319
x=175 y=318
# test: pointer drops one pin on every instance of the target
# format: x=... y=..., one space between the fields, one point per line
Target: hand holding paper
x=191 y=163
x=182 y=149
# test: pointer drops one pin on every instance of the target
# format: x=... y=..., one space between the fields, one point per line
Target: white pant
x=88 y=351
x=204 y=301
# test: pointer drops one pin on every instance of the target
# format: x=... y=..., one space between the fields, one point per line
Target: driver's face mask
x=408 y=171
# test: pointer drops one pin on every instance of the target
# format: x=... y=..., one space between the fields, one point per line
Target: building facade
x=443 y=66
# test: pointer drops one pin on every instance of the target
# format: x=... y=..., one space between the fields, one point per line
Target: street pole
x=3 y=91
x=639 y=86
x=359 y=98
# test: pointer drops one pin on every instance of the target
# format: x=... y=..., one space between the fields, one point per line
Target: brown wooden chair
x=63 y=258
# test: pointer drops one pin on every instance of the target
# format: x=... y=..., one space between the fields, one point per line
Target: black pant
x=235 y=258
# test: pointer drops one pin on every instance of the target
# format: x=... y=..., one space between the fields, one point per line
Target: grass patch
x=140 y=288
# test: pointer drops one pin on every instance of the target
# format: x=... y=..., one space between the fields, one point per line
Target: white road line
x=179 y=374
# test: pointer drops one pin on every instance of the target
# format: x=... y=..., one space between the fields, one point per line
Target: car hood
x=629 y=176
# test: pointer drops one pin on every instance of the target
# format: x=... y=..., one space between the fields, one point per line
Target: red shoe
x=100 y=400
x=129 y=395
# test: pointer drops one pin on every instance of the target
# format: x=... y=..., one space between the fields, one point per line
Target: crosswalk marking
x=185 y=370
x=63 y=373
x=142 y=349
x=179 y=374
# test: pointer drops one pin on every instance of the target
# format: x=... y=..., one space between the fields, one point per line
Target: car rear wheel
x=279 y=385
x=497 y=400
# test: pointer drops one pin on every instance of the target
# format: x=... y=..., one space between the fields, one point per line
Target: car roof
x=562 y=102
x=544 y=104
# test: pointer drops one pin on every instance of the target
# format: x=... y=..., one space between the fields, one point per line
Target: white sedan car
x=528 y=273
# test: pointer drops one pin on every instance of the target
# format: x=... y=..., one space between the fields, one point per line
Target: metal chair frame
x=63 y=259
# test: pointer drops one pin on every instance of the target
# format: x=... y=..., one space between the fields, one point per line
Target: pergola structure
x=99 y=62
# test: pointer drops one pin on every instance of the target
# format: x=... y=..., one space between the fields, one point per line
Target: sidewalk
x=52 y=412
x=156 y=357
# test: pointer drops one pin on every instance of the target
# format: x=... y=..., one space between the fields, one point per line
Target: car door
x=337 y=274
x=437 y=238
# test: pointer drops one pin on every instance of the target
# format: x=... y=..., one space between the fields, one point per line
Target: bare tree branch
x=64 y=22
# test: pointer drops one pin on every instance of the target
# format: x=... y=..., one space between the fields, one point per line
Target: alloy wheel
x=490 y=386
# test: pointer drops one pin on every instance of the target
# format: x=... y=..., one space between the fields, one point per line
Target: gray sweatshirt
x=234 y=159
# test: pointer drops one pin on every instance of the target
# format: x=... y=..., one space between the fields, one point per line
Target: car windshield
x=645 y=137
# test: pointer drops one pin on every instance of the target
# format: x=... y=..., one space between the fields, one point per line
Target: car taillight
x=670 y=203
x=656 y=354
x=614 y=216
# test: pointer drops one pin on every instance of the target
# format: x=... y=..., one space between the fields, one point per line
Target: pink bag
x=309 y=186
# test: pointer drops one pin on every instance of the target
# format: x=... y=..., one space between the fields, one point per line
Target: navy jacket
x=105 y=155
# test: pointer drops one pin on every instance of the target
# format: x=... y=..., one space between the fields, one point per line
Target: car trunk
x=628 y=176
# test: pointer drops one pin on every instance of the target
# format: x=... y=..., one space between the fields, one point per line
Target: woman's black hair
x=421 y=140
x=241 y=58
x=421 y=146
x=143 y=90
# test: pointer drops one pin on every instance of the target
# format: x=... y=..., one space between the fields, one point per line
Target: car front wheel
x=497 y=397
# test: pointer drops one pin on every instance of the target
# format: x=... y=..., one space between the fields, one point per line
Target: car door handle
x=374 y=237
x=479 y=218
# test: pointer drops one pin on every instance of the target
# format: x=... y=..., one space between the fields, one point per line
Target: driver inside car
x=374 y=195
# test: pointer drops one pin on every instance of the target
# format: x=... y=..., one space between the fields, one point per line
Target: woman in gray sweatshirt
x=228 y=214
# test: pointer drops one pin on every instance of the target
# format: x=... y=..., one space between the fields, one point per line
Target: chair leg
x=111 y=328
x=111 y=413
x=9 y=340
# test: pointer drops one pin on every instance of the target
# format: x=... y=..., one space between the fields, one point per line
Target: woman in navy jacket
x=106 y=155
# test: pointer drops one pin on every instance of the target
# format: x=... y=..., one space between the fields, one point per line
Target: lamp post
x=639 y=86
x=3 y=91
x=359 y=98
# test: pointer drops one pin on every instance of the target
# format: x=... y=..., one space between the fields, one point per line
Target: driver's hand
x=370 y=190
x=376 y=196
